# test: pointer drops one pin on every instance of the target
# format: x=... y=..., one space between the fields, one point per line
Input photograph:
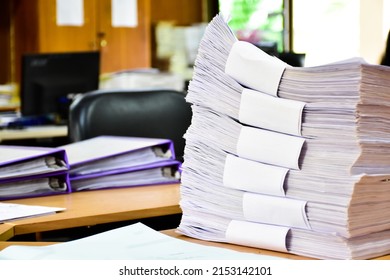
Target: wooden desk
x=5 y=244
x=33 y=132
x=96 y=207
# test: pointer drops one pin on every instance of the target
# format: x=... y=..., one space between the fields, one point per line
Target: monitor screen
x=50 y=80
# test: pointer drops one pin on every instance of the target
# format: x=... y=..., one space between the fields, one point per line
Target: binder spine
x=51 y=184
x=59 y=184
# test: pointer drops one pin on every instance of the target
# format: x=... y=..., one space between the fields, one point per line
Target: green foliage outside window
x=256 y=20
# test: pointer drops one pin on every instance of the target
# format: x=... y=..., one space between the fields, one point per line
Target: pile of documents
x=97 y=163
x=287 y=158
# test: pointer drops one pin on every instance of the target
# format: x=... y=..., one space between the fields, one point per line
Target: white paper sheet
x=134 y=242
x=10 y=154
x=70 y=12
x=124 y=13
x=11 y=211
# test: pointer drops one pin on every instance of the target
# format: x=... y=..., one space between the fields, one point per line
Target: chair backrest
x=141 y=113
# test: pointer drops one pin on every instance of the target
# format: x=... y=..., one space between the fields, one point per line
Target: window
x=257 y=21
x=331 y=30
x=324 y=31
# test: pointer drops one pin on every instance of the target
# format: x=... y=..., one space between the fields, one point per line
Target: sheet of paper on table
x=136 y=242
x=11 y=211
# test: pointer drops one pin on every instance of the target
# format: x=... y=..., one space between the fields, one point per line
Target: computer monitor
x=49 y=80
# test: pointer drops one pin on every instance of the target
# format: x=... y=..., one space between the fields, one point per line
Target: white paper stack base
x=202 y=192
x=324 y=179
x=209 y=226
x=361 y=201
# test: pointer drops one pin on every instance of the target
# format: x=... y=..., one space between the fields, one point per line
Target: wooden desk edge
x=7 y=231
x=167 y=203
x=44 y=226
x=5 y=244
x=49 y=131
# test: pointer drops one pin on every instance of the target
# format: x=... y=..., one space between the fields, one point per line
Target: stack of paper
x=119 y=161
x=32 y=171
x=285 y=158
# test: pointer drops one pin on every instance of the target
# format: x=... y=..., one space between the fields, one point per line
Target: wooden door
x=5 y=46
x=33 y=29
x=124 y=47
x=56 y=38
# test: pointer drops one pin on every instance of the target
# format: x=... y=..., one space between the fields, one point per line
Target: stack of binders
x=286 y=158
x=117 y=161
x=102 y=162
x=32 y=171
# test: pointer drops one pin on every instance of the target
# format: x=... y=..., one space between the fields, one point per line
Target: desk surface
x=96 y=207
x=234 y=247
x=45 y=131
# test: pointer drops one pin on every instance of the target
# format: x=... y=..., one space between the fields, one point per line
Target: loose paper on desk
x=137 y=242
x=11 y=211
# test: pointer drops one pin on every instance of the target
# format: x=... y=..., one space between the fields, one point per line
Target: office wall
x=372 y=29
x=183 y=12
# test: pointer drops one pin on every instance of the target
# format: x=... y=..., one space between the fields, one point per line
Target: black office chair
x=152 y=113
x=293 y=59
